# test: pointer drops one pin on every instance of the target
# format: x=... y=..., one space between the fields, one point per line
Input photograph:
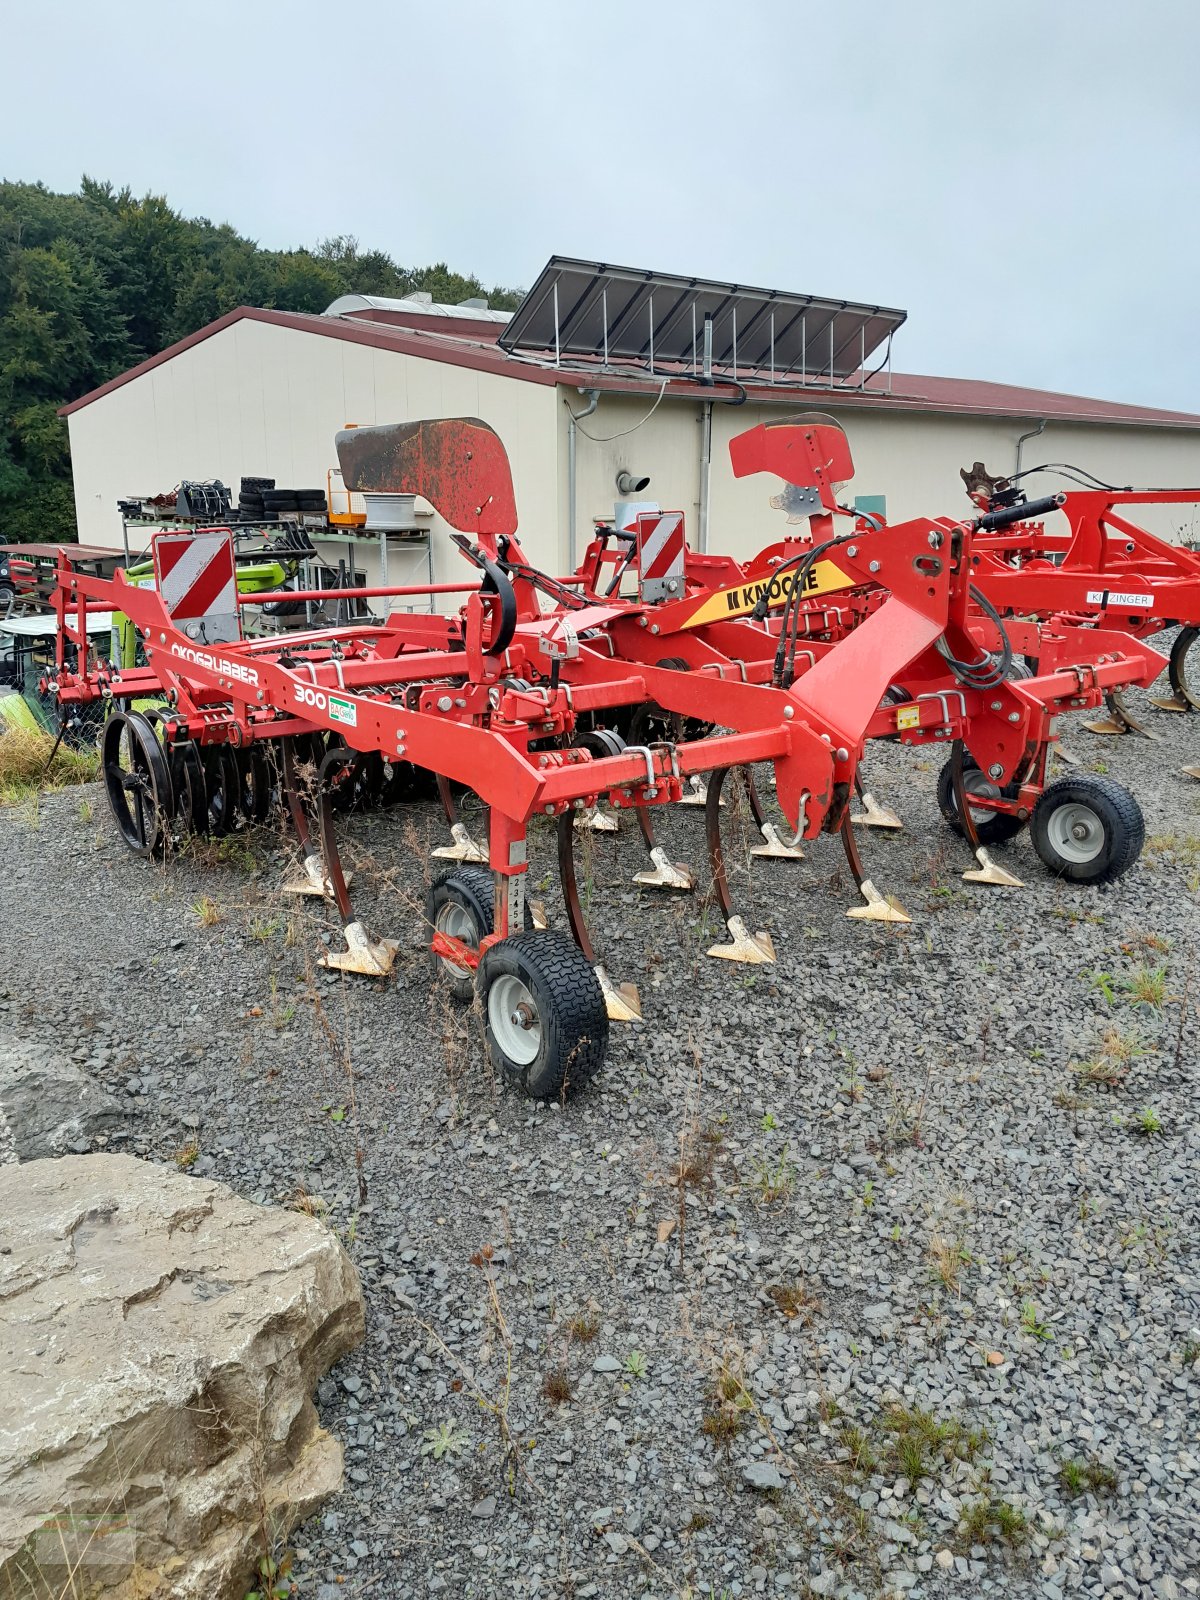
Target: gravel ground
x=873 y=1272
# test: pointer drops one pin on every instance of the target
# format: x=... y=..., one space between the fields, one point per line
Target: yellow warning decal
x=908 y=717
x=822 y=578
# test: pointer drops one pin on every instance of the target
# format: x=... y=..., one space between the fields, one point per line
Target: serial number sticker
x=343 y=711
x=908 y=717
x=1117 y=597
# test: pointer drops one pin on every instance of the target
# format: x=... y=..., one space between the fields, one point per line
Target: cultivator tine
x=621 y=1000
x=755 y=949
x=1067 y=757
x=877 y=907
x=1174 y=702
x=313 y=878
x=873 y=815
x=598 y=821
x=1119 y=720
x=773 y=847
x=697 y=792
x=989 y=872
x=537 y=914
x=662 y=873
x=373 y=958
x=1191 y=772
x=463 y=848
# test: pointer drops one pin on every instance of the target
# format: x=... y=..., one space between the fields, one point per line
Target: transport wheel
x=1185 y=682
x=544 y=1012
x=460 y=904
x=993 y=827
x=137 y=782
x=1088 y=829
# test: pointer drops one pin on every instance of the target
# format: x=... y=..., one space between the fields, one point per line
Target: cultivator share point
x=748 y=691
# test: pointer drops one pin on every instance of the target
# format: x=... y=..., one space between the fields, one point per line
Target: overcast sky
x=1019 y=175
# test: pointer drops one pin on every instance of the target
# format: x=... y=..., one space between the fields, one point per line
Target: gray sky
x=1019 y=175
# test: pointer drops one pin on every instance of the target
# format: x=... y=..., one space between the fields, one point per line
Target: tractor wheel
x=137 y=782
x=1087 y=829
x=544 y=1011
x=460 y=904
x=993 y=827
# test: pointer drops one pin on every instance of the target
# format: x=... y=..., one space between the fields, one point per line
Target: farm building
x=579 y=399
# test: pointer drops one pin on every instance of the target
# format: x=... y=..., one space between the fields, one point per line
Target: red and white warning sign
x=197 y=579
x=661 y=546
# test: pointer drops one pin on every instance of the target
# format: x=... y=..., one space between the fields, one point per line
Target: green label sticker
x=343 y=711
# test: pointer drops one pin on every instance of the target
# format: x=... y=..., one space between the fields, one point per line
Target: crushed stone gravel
x=872 y=1272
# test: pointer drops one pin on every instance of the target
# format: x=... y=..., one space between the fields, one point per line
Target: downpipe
x=572 y=471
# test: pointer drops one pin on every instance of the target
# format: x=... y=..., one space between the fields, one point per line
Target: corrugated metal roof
x=948 y=396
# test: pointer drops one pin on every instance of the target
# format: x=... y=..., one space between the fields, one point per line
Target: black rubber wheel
x=1087 y=829
x=460 y=903
x=544 y=1013
x=993 y=827
x=137 y=782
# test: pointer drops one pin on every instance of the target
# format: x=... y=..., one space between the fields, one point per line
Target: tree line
x=94 y=282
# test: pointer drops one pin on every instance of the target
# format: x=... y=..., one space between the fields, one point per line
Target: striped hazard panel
x=197 y=579
x=661 y=546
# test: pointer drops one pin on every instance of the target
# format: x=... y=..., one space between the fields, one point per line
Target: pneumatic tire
x=544 y=1013
x=993 y=827
x=1087 y=829
x=460 y=903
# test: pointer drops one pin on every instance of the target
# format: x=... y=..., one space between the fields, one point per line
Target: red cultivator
x=522 y=696
x=1100 y=570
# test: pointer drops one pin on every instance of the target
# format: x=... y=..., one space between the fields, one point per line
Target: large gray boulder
x=160 y=1340
x=48 y=1107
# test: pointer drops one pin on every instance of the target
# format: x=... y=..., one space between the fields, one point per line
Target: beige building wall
x=261 y=399
x=256 y=399
x=911 y=458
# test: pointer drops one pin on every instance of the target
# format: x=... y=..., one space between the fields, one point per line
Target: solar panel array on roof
x=588 y=310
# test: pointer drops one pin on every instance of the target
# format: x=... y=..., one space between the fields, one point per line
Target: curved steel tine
x=373 y=958
x=662 y=873
x=755 y=949
x=313 y=879
x=987 y=871
x=877 y=907
x=621 y=1000
x=462 y=847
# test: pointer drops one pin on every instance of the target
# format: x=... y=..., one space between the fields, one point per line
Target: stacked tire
x=287 y=504
x=251 y=499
